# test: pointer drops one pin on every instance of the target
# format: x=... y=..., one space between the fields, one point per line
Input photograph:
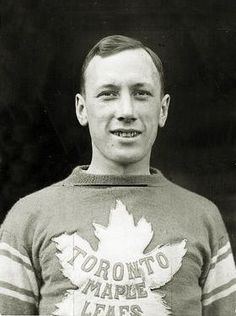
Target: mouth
x=126 y=133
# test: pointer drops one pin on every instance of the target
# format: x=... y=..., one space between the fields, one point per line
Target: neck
x=109 y=167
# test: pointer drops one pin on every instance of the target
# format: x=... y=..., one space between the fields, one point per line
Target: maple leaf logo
x=118 y=278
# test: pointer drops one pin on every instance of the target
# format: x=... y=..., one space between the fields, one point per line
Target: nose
x=125 y=108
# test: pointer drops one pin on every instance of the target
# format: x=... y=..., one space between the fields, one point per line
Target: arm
x=18 y=282
x=219 y=289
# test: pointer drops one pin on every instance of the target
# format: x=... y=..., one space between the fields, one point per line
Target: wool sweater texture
x=116 y=245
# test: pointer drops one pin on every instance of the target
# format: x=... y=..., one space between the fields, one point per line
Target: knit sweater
x=116 y=245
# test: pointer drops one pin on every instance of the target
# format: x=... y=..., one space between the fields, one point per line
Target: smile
x=126 y=134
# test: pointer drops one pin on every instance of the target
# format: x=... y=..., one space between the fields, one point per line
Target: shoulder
x=192 y=202
x=196 y=210
x=29 y=208
x=45 y=195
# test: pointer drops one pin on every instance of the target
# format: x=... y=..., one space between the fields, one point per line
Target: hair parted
x=114 y=44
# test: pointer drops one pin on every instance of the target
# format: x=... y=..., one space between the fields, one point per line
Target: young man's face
x=122 y=106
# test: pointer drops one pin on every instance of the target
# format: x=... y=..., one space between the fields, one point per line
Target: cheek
x=95 y=118
x=98 y=124
x=151 y=119
x=99 y=112
x=152 y=127
x=150 y=111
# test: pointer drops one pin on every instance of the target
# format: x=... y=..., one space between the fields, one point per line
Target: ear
x=164 y=110
x=81 y=111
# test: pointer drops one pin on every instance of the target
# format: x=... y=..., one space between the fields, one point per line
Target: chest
x=120 y=254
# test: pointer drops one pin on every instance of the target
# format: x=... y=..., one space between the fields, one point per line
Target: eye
x=142 y=94
x=108 y=94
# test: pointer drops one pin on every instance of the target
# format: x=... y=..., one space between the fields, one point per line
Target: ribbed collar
x=81 y=178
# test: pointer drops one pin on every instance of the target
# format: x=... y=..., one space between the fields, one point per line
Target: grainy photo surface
x=117 y=158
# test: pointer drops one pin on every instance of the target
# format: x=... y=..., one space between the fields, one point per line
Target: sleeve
x=19 y=292
x=219 y=290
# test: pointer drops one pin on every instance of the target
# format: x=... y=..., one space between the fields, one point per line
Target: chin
x=127 y=159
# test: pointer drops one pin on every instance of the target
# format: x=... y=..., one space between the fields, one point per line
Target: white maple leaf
x=121 y=239
x=121 y=244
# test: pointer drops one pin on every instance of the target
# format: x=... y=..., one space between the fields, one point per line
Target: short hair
x=114 y=44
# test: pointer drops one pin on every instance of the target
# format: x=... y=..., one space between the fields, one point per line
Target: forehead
x=126 y=66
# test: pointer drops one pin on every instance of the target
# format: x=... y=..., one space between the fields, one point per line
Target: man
x=116 y=237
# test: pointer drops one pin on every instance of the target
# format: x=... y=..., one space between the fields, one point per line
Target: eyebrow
x=108 y=86
x=114 y=86
x=140 y=84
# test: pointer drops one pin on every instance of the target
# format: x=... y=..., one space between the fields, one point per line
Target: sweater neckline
x=81 y=178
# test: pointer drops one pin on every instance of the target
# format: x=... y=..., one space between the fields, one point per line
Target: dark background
x=42 y=46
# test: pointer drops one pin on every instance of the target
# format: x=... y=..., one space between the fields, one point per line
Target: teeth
x=126 y=134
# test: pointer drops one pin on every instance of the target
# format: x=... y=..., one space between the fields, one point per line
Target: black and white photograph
x=118 y=157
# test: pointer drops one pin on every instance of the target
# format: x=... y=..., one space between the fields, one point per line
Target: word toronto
x=118 y=271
